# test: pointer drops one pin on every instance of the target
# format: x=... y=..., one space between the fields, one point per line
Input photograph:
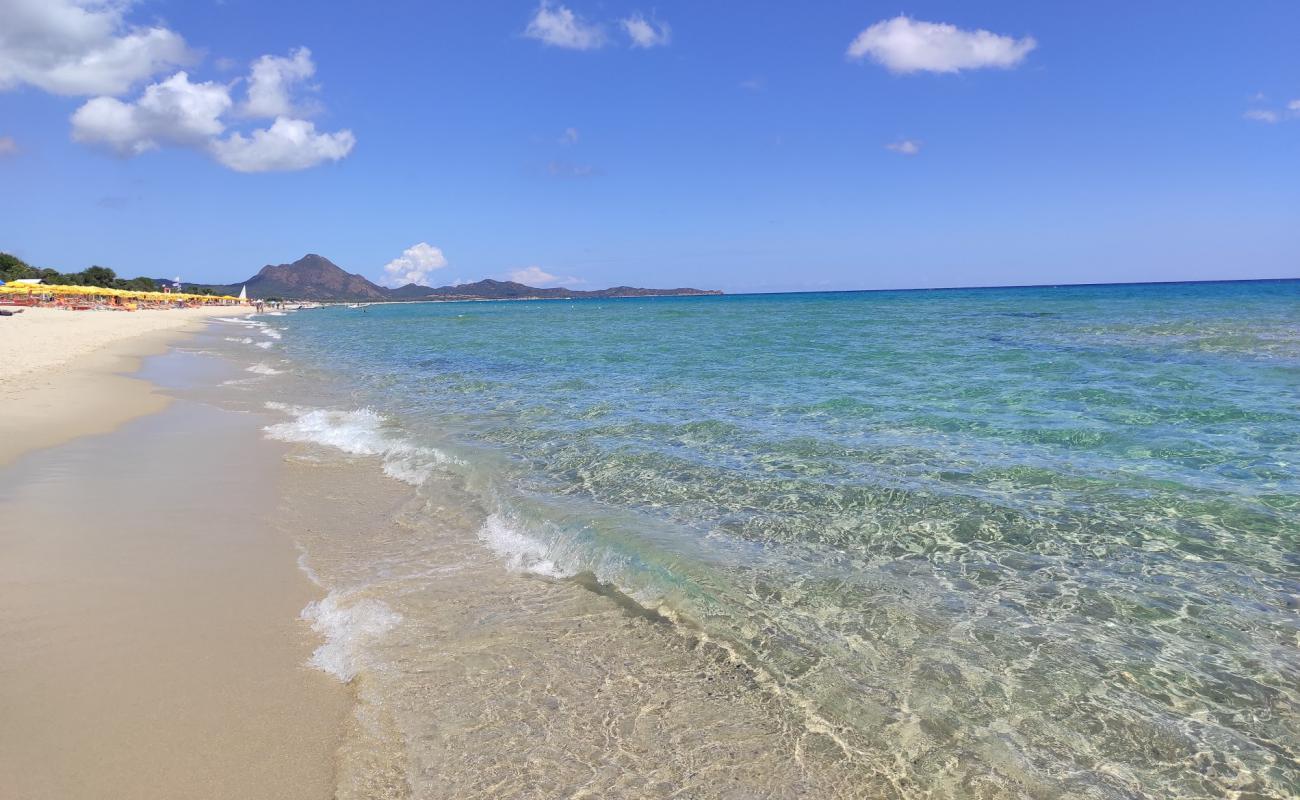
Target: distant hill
x=315 y=277
x=311 y=277
x=489 y=289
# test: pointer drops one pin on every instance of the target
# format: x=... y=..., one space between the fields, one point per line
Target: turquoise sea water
x=1042 y=538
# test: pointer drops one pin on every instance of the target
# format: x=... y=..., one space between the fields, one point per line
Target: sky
x=753 y=146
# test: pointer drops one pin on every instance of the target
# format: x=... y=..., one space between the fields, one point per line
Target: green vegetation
x=13 y=268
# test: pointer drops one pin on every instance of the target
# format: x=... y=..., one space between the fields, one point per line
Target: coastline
x=482 y=634
x=68 y=374
x=150 y=600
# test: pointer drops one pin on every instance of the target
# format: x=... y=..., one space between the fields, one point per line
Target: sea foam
x=521 y=552
x=359 y=432
x=264 y=369
x=348 y=625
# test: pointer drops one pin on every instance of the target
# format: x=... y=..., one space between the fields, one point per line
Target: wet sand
x=65 y=373
x=149 y=609
x=473 y=681
x=149 y=603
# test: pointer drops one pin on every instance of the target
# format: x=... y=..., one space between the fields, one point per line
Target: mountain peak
x=313 y=277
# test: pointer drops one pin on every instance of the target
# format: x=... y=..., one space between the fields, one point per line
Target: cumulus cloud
x=178 y=111
x=1294 y=105
x=536 y=276
x=8 y=147
x=271 y=81
x=907 y=147
x=174 y=111
x=570 y=136
x=82 y=47
x=289 y=144
x=414 y=265
x=646 y=33
x=1262 y=115
x=558 y=26
x=906 y=45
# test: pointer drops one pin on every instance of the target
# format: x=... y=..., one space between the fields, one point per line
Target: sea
x=1025 y=542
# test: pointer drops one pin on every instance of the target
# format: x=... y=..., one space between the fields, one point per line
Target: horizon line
x=990 y=287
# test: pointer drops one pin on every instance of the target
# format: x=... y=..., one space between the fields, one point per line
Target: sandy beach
x=62 y=375
x=148 y=602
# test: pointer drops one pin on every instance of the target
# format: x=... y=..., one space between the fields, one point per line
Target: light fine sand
x=150 y=646
x=60 y=371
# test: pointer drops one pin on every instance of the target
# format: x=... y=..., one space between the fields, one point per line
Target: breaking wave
x=359 y=432
x=347 y=624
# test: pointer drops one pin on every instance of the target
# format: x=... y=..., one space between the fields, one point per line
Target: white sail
x=243 y=294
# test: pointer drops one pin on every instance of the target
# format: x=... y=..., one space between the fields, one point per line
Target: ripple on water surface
x=988 y=543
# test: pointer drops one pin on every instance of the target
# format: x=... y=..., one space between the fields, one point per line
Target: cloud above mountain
x=413 y=266
x=536 y=276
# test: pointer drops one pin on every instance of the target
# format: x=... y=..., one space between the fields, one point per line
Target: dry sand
x=60 y=371
x=150 y=645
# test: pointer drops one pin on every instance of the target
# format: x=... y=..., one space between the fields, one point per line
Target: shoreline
x=68 y=374
x=149 y=599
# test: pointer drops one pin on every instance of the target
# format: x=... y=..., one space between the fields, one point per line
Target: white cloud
x=536 y=276
x=646 y=33
x=906 y=45
x=414 y=265
x=179 y=112
x=81 y=47
x=174 y=111
x=558 y=26
x=753 y=84
x=1271 y=115
x=289 y=144
x=270 y=82
x=8 y=147
x=570 y=136
x=907 y=147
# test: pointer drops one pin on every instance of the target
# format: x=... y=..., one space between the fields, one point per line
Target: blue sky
x=745 y=148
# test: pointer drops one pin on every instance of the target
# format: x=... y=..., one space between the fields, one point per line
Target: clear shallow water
x=1025 y=542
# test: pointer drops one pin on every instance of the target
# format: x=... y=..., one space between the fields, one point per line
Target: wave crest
x=348 y=625
x=358 y=432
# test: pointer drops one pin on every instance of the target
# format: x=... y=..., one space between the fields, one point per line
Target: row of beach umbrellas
x=14 y=287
